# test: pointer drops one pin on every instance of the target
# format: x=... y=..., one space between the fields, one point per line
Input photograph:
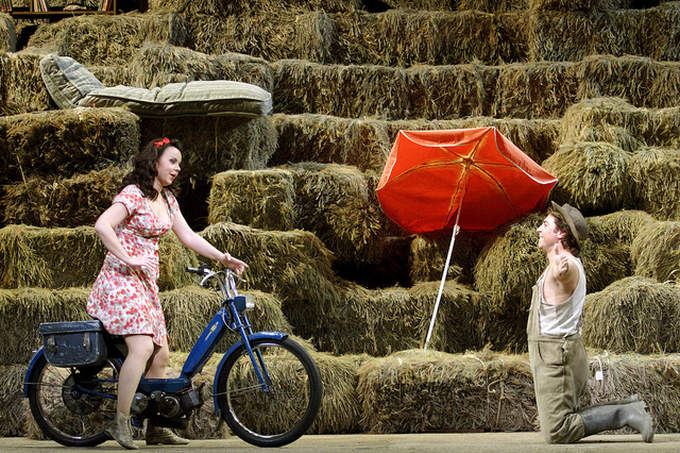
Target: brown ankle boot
x=156 y=435
x=119 y=429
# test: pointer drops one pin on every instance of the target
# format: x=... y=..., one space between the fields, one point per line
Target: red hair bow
x=165 y=141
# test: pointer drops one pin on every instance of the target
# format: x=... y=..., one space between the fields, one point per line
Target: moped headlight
x=244 y=303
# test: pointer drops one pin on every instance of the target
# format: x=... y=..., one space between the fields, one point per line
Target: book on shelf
x=7 y=6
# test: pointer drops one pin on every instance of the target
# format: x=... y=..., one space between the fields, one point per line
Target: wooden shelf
x=25 y=13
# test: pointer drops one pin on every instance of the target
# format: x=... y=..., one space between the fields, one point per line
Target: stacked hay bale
x=294 y=194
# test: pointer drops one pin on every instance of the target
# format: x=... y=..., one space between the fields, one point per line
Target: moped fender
x=35 y=358
x=251 y=338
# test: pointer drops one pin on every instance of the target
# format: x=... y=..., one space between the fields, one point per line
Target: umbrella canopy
x=475 y=179
x=429 y=173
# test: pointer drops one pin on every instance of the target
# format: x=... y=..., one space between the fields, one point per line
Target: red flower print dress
x=125 y=299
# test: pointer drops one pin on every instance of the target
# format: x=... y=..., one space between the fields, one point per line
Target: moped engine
x=167 y=405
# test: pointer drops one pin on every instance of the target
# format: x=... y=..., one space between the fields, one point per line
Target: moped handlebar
x=226 y=279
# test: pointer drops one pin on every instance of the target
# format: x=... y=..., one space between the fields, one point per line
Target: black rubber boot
x=614 y=416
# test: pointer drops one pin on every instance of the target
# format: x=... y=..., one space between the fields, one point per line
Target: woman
x=125 y=295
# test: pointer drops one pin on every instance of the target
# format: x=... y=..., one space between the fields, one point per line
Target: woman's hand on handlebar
x=234 y=264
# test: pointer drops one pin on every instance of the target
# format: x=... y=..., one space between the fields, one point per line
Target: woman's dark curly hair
x=145 y=166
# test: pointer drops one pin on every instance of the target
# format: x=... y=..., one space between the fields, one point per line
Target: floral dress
x=125 y=299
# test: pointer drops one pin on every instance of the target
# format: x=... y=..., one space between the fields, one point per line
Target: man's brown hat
x=577 y=224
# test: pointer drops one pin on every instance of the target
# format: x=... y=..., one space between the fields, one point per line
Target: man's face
x=548 y=234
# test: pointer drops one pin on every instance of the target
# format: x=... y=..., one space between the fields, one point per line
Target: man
x=559 y=362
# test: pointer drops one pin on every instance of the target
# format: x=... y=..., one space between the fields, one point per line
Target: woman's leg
x=155 y=368
x=140 y=350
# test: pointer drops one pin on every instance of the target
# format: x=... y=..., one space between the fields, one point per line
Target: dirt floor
x=439 y=443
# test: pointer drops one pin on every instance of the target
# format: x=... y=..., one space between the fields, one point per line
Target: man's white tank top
x=564 y=319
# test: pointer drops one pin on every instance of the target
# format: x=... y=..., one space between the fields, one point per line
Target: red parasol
x=475 y=179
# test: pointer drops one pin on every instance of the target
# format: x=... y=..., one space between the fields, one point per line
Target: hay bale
x=54 y=201
x=489 y=6
x=101 y=39
x=651 y=127
x=13 y=416
x=534 y=90
x=22 y=311
x=290 y=264
x=360 y=142
x=336 y=203
x=655 y=175
x=404 y=38
x=21 y=87
x=8 y=34
x=261 y=199
x=651 y=32
x=215 y=144
x=509 y=266
x=606 y=255
x=344 y=91
x=223 y=9
x=156 y=65
x=577 y=5
x=573 y=35
x=43 y=257
x=593 y=176
x=628 y=77
x=634 y=314
x=189 y=310
x=424 y=391
x=366 y=142
x=66 y=142
x=272 y=35
x=656 y=251
x=428 y=254
x=654 y=378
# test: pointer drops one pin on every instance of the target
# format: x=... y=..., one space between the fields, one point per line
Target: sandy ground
x=473 y=442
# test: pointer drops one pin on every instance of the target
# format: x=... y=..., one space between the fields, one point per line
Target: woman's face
x=167 y=166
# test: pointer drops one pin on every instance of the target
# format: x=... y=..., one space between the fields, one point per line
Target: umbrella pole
x=441 y=285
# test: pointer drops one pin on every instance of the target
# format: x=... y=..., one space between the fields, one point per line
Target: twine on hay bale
x=62 y=202
x=156 y=65
x=534 y=90
x=633 y=314
x=425 y=391
x=188 y=310
x=43 y=257
x=22 y=311
x=656 y=181
x=593 y=176
x=656 y=251
x=100 y=39
x=67 y=142
x=606 y=254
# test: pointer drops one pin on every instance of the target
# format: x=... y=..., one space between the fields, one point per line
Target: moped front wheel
x=281 y=413
x=72 y=405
